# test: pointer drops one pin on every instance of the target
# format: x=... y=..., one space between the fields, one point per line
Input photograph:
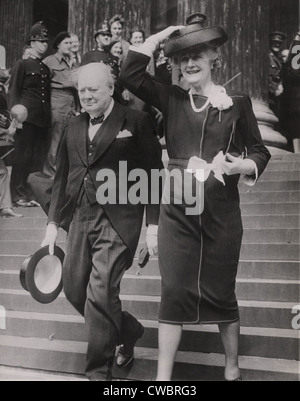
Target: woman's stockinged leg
x=230 y=333
x=169 y=340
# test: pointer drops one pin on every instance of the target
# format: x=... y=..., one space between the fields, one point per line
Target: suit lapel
x=110 y=130
x=80 y=137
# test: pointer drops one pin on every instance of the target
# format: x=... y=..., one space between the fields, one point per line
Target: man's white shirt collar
x=94 y=128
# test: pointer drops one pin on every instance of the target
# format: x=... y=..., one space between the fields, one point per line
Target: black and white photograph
x=149 y=193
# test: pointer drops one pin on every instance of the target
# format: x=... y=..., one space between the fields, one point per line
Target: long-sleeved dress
x=199 y=254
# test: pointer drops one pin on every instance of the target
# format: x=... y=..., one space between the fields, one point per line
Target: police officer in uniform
x=30 y=86
x=100 y=54
x=275 y=84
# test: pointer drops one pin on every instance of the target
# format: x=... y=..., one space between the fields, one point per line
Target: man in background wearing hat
x=30 y=87
x=103 y=237
x=63 y=96
x=100 y=54
x=275 y=84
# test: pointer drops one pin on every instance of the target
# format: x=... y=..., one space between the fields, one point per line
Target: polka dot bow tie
x=97 y=120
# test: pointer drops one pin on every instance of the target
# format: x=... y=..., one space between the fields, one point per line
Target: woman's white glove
x=152 y=43
x=151 y=240
x=235 y=165
x=50 y=237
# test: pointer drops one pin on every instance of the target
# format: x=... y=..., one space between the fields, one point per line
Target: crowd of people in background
x=284 y=91
x=47 y=87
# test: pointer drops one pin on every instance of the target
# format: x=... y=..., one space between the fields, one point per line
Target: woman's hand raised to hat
x=50 y=237
x=152 y=43
x=163 y=35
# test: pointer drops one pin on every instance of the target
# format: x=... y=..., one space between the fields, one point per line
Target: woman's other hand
x=234 y=165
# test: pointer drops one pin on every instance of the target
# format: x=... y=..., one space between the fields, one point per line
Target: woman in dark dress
x=205 y=129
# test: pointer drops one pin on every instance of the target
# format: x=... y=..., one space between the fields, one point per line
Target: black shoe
x=125 y=355
x=239 y=379
x=22 y=203
x=34 y=203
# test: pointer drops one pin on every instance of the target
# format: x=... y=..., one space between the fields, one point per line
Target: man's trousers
x=28 y=157
x=96 y=260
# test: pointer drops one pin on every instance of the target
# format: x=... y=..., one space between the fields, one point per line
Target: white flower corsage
x=220 y=100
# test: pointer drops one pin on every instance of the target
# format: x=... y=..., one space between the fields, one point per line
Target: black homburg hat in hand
x=41 y=275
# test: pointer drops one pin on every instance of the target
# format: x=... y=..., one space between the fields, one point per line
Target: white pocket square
x=124 y=134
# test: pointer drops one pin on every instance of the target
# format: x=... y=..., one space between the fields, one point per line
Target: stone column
x=15 y=24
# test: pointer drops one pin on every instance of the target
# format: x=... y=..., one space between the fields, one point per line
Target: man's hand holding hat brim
x=50 y=237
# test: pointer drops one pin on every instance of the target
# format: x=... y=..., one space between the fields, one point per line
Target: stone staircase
x=52 y=337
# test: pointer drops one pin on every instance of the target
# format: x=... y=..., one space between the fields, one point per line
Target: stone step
x=253 y=313
x=290 y=175
x=271 y=185
x=270 y=251
x=270 y=197
x=23 y=234
x=8 y=374
x=264 y=342
x=24 y=223
x=272 y=221
x=250 y=235
x=272 y=235
x=283 y=220
x=69 y=357
x=282 y=166
x=266 y=209
x=247 y=289
x=35 y=212
x=285 y=157
x=249 y=251
x=198 y=367
x=263 y=269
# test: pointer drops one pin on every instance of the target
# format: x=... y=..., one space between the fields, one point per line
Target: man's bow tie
x=97 y=120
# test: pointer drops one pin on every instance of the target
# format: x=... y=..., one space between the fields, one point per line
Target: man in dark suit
x=102 y=238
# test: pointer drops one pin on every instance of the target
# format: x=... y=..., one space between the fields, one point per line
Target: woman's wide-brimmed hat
x=41 y=274
x=194 y=35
